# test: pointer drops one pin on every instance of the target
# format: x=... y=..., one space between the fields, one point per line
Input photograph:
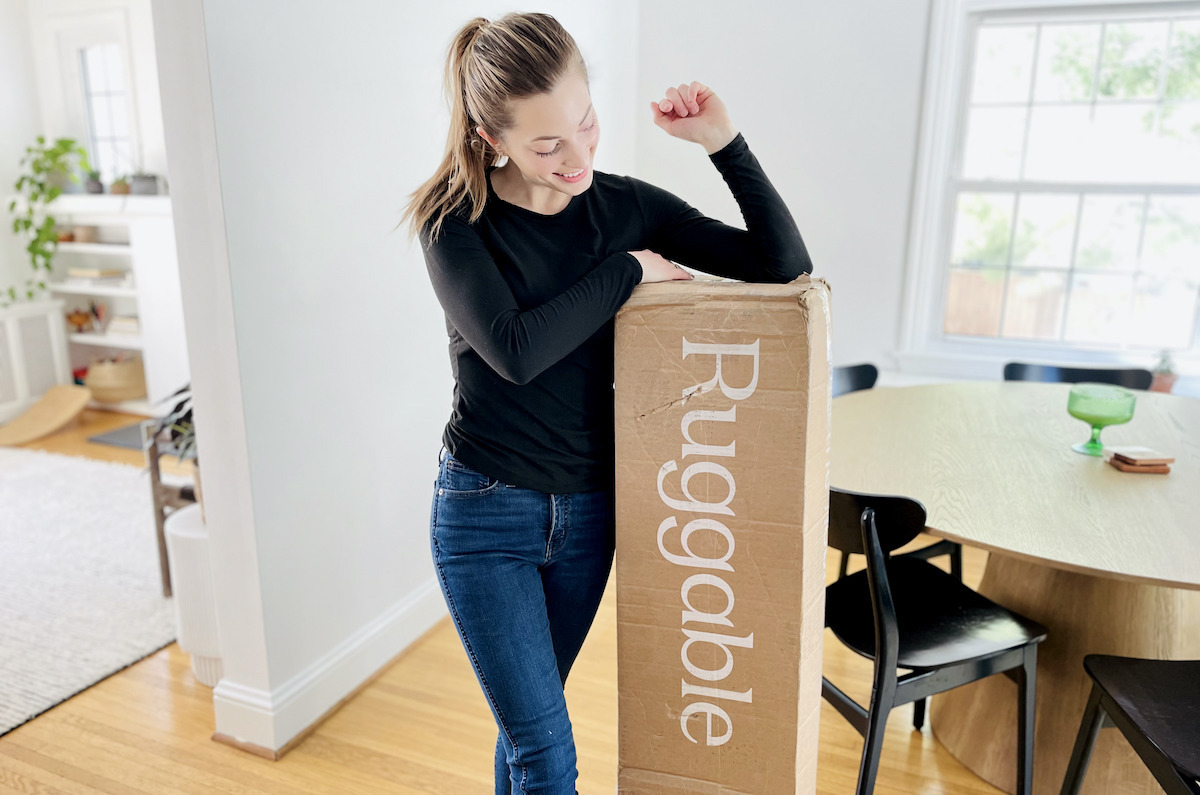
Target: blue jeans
x=522 y=572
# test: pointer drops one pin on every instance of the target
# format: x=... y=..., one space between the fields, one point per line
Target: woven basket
x=112 y=382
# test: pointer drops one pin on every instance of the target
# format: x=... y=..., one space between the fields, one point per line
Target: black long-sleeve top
x=530 y=299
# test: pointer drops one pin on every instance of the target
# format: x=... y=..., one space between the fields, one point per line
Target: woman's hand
x=656 y=268
x=694 y=113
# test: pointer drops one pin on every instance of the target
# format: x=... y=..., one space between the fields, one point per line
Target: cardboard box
x=722 y=424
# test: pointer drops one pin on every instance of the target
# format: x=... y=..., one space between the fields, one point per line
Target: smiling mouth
x=572 y=176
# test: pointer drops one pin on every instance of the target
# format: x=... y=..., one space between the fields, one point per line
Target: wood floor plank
x=422 y=726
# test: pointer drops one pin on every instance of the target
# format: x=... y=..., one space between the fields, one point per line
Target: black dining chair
x=853 y=378
x=907 y=613
x=1156 y=705
x=1130 y=378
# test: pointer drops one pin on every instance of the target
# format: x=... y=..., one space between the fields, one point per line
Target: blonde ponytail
x=489 y=63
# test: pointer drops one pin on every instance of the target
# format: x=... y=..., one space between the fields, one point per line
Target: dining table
x=1108 y=561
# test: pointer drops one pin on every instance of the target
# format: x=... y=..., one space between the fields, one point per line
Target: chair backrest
x=898 y=520
x=853 y=378
x=1130 y=378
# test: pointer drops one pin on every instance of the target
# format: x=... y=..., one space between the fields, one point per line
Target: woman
x=530 y=261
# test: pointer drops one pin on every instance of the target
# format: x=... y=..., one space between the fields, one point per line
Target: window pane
x=1003 y=62
x=1172 y=243
x=1109 y=231
x=993 y=149
x=108 y=163
x=1057 y=144
x=982 y=226
x=973 y=302
x=1164 y=311
x=1066 y=62
x=114 y=66
x=1132 y=60
x=1099 y=310
x=102 y=122
x=95 y=76
x=119 y=115
x=1045 y=230
x=1034 y=306
x=1114 y=143
x=1183 y=75
x=1128 y=135
x=124 y=158
x=1180 y=130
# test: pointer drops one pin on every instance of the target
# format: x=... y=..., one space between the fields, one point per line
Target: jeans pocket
x=459 y=480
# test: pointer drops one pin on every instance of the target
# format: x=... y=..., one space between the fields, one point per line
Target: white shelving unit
x=131 y=342
x=139 y=231
x=68 y=288
x=115 y=249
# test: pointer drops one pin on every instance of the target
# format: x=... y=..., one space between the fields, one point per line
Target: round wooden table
x=1108 y=561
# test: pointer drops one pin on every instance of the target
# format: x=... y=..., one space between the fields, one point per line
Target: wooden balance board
x=54 y=411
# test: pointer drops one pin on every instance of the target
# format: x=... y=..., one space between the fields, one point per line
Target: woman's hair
x=490 y=63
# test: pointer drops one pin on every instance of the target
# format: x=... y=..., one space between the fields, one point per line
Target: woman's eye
x=553 y=151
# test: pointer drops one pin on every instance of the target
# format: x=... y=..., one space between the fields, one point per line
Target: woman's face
x=554 y=136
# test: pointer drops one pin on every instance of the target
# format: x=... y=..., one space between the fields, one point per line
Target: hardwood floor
x=421 y=727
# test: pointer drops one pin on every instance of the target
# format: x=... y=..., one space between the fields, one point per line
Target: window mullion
x=1070 y=284
x=1096 y=72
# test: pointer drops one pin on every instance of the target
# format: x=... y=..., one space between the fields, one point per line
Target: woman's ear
x=491 y=141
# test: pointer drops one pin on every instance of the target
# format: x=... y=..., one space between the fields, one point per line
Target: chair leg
x=919 y=714
x=843 y=565
x=882 y=700
x=1026 y=711
x=956 y=561
x=1085 y=741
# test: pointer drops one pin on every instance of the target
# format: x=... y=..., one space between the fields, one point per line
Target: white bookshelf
x=141 y=406
x=72 y=288
x=131 y=342
x=104 y=249
x=136 y=234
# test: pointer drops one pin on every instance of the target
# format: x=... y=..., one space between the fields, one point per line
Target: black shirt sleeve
x=770 y=249
x=518 y=344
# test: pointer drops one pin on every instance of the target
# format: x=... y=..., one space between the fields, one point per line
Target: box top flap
x=675 y=293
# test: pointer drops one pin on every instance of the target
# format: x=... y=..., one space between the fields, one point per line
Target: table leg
x=1084 y=614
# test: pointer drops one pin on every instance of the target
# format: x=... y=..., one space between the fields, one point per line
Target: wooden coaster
x=1140 y=456
x=1146 y=469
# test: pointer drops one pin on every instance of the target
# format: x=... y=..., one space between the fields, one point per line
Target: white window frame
x=924 y=349
x=60 y=30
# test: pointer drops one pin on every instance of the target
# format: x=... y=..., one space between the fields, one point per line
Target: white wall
x=20 y=125
x=828 y=96
x=336 y=386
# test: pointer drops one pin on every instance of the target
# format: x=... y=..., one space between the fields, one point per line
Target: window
x=105 y=96
x=1068 y=222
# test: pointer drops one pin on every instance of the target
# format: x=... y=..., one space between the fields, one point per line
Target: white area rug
x=80 y=591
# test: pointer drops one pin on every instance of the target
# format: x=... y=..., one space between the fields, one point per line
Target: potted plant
x=1164 y=374
x=119 y=186
x=182 y=434
x=48 y=168
x=144 y=184
x=94 y=185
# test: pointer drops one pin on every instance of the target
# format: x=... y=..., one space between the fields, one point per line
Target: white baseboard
x=269 y=720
